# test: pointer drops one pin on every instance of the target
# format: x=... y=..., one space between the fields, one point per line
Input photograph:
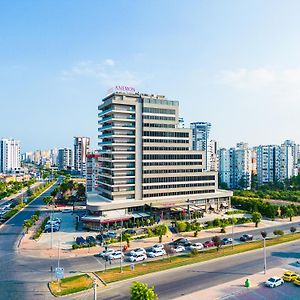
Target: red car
x=209 y=244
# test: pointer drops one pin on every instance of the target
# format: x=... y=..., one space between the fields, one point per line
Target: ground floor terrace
x=101 y=214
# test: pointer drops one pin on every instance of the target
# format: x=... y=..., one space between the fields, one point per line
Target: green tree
x=27 y=224
x=80 y=193
x=161 y=230
x=256 y=218
x=217 y=241
x=141 y=291
x=290 y=213
x=278 y=232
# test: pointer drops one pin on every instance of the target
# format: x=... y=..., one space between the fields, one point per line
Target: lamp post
x=121 y=237
x=232 y=231
x=264 y=235
x=95 y=289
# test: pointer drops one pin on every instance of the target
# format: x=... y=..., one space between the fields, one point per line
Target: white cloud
x=103 y=73
x=109 y=62
x=261 y=78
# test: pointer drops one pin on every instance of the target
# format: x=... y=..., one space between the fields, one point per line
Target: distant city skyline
x=234 y=64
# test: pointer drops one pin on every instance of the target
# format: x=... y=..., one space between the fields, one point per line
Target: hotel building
x=147 y=164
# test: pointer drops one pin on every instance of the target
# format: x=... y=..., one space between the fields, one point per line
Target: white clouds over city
x=107 y=73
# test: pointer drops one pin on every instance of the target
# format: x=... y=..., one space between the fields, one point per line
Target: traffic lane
x=175 y=282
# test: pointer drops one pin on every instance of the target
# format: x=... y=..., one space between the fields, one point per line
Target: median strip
x=114 y=275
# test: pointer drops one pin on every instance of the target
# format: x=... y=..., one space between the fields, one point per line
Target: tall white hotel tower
x=10 y=157
x=147 y=161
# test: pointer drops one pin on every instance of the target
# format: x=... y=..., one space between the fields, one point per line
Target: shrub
x=181 y=226
x=194 y=252
x=293 y=229
x=278 y=232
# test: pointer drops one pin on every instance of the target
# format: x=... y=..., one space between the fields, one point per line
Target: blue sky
x=233 y=63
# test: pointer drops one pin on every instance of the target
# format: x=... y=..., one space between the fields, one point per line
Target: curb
x=94 y=273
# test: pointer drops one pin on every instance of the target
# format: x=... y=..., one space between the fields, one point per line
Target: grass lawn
x=71 y=285
x=113 y=275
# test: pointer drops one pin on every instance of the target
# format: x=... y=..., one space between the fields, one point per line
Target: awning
x=140 y=215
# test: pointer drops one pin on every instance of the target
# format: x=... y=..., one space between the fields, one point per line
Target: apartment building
x=147 y=162
x=64 y=159
x=81 y=148
x=10 y=156
x=93 y=166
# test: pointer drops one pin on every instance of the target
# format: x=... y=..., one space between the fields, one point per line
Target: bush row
x=76 y=246
x=41 y=229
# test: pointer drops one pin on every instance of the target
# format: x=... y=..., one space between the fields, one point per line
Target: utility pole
x=121 y=237
x=95 y=289
x=264 y=235
x=51 y=220
x=232 y=231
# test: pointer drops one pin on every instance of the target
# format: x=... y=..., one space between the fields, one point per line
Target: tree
x=293 y=229
x=161 y=230
x=256 y=218
x=290 y=213
x=80 y=193
x=217 y=241
x=223 y=228
x=278 y=232
x=141 y=291
x=27 y=224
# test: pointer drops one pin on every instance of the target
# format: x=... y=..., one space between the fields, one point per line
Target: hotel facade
x=146 y=163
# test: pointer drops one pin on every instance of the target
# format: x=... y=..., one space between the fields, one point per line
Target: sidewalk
x=68 y=234
x=233 y=288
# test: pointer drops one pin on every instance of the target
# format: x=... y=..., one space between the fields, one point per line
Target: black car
x=181 y=241
x=99 y=238
x=80 y=240
x=246 y=237
x=90 y=239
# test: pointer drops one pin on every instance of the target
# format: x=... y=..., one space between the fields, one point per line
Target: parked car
x=208 y=244
x=116 y=255
x=156 y=253
x=48 y=229
x=197 y=246
x=106 y=252
x=178 y=249
x=56 y=227
x=274 y=282
x=109 y=235
x=58 y=220
x=80 y=240
x=181 y=241
x=227 y=241
x=246 y=237
x=90 y=239
x=99 y=238
x=137 y=251
x=138 y=257
x=289 y=276
x=157 y=247
x=297 y=281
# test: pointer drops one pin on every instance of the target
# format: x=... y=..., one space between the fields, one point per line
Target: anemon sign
x=122 y=88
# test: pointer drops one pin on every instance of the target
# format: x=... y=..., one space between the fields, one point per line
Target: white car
x=137 y=251
x=58 y=220
x=197 y=246
x=116 y=255
x=106 y=252
x=138 y=257
x=178 y=249
x=157 y=247
x=274 y=281
x=156 y=253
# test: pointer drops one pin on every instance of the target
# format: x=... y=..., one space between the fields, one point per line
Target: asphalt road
x=174 y=283
x=23 y=277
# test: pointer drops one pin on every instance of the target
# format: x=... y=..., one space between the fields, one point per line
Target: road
x=23 y=277
x=16 y=271
x=173 y=283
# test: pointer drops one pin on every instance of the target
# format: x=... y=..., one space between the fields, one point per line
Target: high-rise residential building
x=289 y=159
x=200 y=139
x=235 y=166
x=213 y=155
x=147 y=163
x=10 y=156
x=268 y=164
x=93 y=166
x=81 y=148
x=53 y=156
x=64 y=159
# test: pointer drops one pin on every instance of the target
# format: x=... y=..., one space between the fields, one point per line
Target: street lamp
x=264 y=235
x=121 y=237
